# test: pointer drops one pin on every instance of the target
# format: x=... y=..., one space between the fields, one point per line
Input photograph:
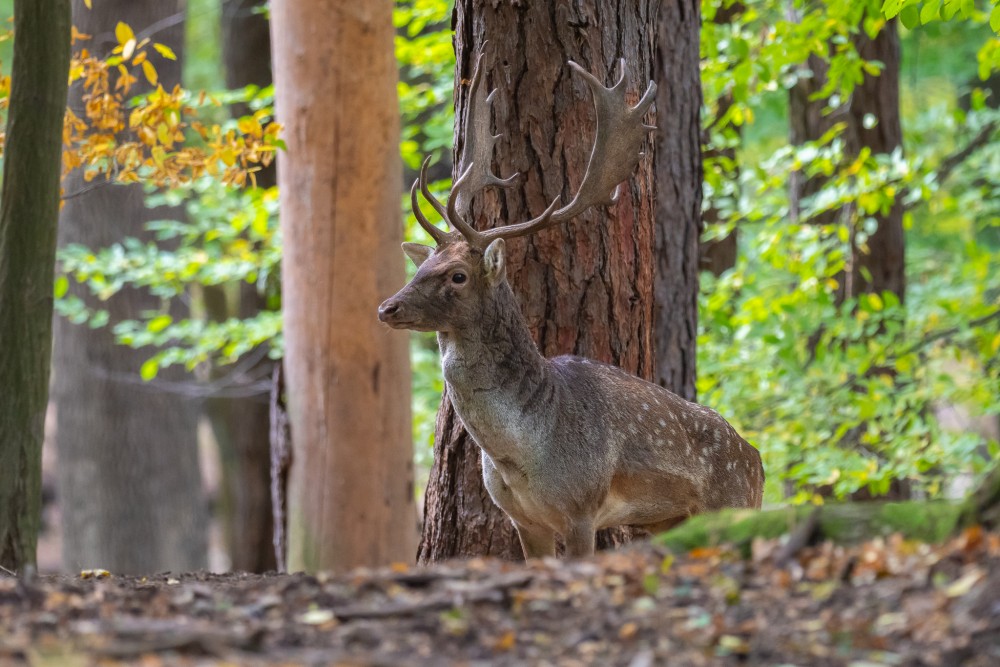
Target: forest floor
x=884 y=602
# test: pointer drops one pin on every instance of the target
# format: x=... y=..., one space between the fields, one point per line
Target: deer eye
x=458 y=277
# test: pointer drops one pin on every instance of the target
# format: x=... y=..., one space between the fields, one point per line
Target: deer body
x=569 y=445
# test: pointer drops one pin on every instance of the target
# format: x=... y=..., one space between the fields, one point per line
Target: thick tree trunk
x=29 y=211
x=241 y=425
x=351 y=481
x=129 y=480
x=586 y=287
x=678 y=195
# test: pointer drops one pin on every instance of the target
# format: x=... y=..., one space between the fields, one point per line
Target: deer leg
x=536 y=541
x=580 y=539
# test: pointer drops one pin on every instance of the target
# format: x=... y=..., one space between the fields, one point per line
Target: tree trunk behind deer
x=129 y=481
x=241 y=425
x=586 y=287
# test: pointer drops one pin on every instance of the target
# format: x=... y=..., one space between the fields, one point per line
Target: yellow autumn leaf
x=149 y=71
x=123 y=33
x=165 y=51
x=139 y=59
x=88 y=2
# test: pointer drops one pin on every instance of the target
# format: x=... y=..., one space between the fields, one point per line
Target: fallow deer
x=569 y=445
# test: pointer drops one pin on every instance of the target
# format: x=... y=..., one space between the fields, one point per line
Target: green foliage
x=845 y=396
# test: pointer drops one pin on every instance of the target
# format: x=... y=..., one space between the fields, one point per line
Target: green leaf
x=149 y=369
x=159 y=323
x=891 y=8
x=930 y=11
x=995 y=18
x=910 y=17
x=61 y=287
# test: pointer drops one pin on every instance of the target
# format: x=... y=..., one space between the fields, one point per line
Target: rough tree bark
x=241 y=425
x=350 y=485
x=678 y=195
x=29 y=212
x=586 y=287
x=129 y=480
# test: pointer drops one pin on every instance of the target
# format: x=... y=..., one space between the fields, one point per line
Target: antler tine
x=616 y=151
x=439 y=235
x=477 y=157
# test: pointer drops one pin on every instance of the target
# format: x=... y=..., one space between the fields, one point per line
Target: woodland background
x=841 y=305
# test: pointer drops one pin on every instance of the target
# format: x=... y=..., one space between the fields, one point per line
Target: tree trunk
x=878 y=96
x=585 y=287
x=351 y=480
x=241 y=425
x=129 y=480
x=678 y=195
x=29 y=211
x=719 y=255
x=881 y=255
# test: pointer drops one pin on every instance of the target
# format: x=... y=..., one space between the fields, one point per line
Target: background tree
x=129 y=480
x=678 y=213
x=241 y=423
x=351 y=479
x=585 y=287
x=29 y=205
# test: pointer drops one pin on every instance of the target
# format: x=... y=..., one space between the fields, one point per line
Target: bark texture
x=241 y=423
x=350 y=487
x=678 y=195
x=586 y=287
x=29 y=212
x=129 y=479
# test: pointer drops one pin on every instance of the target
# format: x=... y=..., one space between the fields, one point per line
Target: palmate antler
x=616 y=151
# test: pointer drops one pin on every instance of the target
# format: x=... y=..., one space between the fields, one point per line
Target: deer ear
x=495 y=262
x=418 y=253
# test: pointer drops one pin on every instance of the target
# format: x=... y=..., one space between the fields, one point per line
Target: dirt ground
x=886 y=602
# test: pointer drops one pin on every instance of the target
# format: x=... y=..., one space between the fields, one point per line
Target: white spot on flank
x=663 y=423
x=645 y=406
x=730 y=465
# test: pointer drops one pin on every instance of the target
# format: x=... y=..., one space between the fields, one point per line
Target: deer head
x=456 y=279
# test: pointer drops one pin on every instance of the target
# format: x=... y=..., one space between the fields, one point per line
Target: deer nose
x=387 y=309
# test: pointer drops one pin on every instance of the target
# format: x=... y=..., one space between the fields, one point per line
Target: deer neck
x=493 y=369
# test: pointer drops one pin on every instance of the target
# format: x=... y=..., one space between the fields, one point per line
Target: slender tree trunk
x=351 y=480
x=877 y=96
x=129 y=480
x=884 y=257
x=585 y=287
x=241 y=425
x=29 y=211
x=678 y=195
x=880 y=255
x=719 y=255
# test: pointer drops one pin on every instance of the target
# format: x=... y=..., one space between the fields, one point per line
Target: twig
x=798 y=538
x=9 y=573
x=951 y=162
